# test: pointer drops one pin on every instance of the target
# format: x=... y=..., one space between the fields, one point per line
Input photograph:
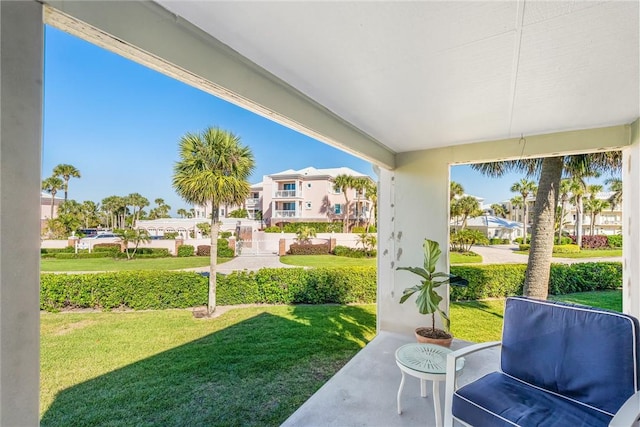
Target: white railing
x=279 y=194
x=285 y=214
x=252 y=203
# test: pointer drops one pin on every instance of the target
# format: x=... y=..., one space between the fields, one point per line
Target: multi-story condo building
x=608 y=221
x=308 y=195
x=305 y=195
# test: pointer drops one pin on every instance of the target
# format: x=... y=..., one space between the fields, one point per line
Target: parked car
x=89 y=242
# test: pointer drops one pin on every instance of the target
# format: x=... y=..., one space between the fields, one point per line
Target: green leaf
x=431 y=255
x=417 y=270
x=446 y=323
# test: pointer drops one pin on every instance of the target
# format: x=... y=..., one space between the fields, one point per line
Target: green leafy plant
x=428 y=300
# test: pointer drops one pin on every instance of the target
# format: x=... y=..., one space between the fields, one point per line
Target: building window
x=307 y=205
x=337 y=208
x=289 y=186
x=289 y=206
x=255 y=195
x=308 y=185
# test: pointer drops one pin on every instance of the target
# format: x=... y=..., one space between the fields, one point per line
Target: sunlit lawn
x=327 y=261
x=585 y=253
x=249 y=367
x=481 y=321
x=111 y=264
x=464 y=258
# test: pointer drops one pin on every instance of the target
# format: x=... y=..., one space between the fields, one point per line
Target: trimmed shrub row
x=141 y=290
x=185 y=250
x=615 y=241
x=353 y=253
x=566 y=249
x=309 y=249
x=224 y=251
x=502 y=280
x=497 y=241
x=593 y=242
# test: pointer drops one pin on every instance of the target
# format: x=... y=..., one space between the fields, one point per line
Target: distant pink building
x=308 y=195
x=305 y=195
x=45 y=208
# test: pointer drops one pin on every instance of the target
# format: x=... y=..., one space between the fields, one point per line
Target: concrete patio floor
x=363 y=392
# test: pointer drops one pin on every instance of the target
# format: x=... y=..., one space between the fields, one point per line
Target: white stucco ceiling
x=418 y=75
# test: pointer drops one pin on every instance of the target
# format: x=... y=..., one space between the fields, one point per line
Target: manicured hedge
x=319 y=227
x=185 y=250
x=502 y=280
x=138 y=290
x=224 y=251
x=170 y=289
x=308 y=249
x=615 y=241
x=593 y=242
x=85 y=255
x=353 y=253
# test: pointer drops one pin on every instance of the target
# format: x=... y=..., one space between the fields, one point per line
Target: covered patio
x=412 y=87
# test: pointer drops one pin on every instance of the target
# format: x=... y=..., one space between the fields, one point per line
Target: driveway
x=245 y=262
x=504 y=254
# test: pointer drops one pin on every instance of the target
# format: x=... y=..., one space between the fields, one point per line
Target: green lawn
x=592 y=253
x=110 y=264
x=464 y=258
x=327 y=261
x=249 y=367
x=481 y=321
x=585 y=253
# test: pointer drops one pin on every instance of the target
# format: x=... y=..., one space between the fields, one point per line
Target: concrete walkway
x=246 y=262
x=504 y=254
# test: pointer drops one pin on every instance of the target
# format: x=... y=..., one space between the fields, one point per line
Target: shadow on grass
x=254 y=373
x=480 y=305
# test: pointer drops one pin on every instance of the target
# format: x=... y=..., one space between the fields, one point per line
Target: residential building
x=45 y=208
x=305 y=195
x=309 y=195
x=607 y=222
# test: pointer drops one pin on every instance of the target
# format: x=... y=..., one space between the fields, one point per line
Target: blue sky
x=119 y=123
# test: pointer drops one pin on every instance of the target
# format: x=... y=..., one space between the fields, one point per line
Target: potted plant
x=428 y=300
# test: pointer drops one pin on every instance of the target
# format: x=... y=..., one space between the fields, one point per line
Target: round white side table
x=426 y=362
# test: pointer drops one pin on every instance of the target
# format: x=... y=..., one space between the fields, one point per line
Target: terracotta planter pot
x=444 y=342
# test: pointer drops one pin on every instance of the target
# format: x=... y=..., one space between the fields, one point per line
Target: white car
x=89 y=242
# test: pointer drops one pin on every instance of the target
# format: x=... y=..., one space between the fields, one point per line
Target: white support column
x=631 y=223
x=21 y=73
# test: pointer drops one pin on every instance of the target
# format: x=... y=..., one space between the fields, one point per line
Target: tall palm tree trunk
x=525 y=220
x=213 y=260
x=52 y=196
x=579 y=230
x=536 y=283
x=560 y=223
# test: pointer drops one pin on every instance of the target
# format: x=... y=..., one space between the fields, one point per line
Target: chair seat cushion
x=499 y=400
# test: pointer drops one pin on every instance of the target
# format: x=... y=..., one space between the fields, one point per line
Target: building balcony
x=252 y=203
x=285 y=214
x=287 y=194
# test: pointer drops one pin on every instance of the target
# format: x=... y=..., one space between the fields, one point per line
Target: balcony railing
x=285 y=214
x=286 y=194
x=252 y=203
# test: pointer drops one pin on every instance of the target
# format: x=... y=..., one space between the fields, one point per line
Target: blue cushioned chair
x=560 y=365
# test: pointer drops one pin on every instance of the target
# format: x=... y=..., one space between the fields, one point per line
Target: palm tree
x=51 y=185
x=565 y=189
x=371 y=193
x=615 y=185
x=468 y=207
x=578 y=189
x=550 y=170
x=182 y=212
x=525 y=188
x=342 y=183
x=359 y=184
x=89 y=212
x=455 y=190
x=214 y=168
x=138 y=202
x=499 y=210
x=594 y=207
x=66 y=172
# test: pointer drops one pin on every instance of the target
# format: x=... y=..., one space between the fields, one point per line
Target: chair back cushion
x=585 y=354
